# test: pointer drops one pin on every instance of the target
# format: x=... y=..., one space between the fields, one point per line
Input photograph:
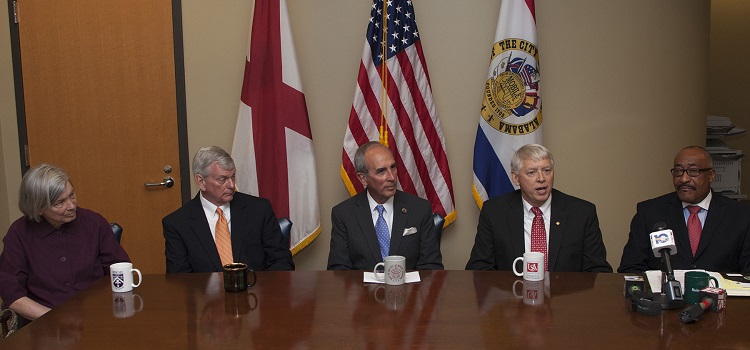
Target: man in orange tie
x=221 y=226
x=711 y=232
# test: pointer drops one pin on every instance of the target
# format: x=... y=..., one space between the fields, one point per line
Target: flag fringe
x=303 y=243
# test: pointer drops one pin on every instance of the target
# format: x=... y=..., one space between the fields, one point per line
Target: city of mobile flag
x=511 y=112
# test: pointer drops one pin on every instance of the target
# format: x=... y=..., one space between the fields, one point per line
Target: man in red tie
x=519 y=222
x=711 y=232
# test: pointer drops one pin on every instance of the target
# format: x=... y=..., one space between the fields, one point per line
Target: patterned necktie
x=694 y=227
x=223 y=241
x=381 y=230
x=539 y=235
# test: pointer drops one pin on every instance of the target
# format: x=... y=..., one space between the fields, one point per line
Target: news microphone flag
x=511 y=113
x=393 y=104
x=273 y=148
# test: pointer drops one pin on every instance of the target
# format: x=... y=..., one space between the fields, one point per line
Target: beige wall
x=623 y=81
x=729 y=73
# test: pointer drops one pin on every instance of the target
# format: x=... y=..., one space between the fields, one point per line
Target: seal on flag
x=513 y=88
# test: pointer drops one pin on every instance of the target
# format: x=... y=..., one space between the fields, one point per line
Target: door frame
x=179 y=65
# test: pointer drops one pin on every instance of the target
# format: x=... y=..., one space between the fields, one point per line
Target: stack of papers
x=733 y=288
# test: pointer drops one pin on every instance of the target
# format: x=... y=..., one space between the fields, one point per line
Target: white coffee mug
x=533 y=266
x=394 y=270
x=124 y=304
x=122 y=277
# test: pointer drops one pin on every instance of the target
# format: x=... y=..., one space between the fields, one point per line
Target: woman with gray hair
x=56 y=249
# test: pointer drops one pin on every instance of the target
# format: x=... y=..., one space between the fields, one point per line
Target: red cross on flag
x=273 y=148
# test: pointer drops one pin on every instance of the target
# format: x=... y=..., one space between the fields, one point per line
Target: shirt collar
x=388 y=205
x=210 y=208
x=703 y=204
x=43 y=228
x=544 y=207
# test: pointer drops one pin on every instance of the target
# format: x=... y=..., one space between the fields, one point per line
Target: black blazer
x=724 y=244
x=354 y=245
x=575 y=240
x=256 y=237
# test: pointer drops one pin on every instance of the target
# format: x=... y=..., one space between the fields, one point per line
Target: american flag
x=398 y=97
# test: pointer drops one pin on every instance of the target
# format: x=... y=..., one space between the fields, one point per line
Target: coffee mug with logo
x=122 y=277
x=394 y=272
x=694 y=282
x=533 y=266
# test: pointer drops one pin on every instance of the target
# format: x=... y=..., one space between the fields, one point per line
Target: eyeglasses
x=677 y=172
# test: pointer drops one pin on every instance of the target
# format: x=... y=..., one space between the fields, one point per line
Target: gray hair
x=531 y=151
x=206 y=156
x=360 y=165
x=40 y=187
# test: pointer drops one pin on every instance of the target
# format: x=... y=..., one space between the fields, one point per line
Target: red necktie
x=539 y=235
x=694 y=227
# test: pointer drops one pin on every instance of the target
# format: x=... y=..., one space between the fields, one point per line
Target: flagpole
x=384 y=79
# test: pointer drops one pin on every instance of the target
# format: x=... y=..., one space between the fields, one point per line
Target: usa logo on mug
x=532 y=267
x=118 y=279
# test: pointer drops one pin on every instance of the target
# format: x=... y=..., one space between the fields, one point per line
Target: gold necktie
x=223 y=241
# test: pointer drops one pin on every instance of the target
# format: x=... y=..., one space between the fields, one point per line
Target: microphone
x=662 y=244
x=693 y=313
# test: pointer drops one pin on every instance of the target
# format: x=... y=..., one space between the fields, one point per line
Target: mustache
x=689 y=187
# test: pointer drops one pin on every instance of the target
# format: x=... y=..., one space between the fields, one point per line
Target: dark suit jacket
x=575 y=240
x=724 y=244
x=256 y=237
x=354 y=245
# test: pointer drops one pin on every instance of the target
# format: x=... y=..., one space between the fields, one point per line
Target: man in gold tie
x=711 y=232
x=220 y=226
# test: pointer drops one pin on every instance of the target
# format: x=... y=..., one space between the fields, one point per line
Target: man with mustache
x=220 y=226
x=711 y=232
x=382 y=220
x=519 y=222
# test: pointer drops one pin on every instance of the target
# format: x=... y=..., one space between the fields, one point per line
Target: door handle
x=168 y=183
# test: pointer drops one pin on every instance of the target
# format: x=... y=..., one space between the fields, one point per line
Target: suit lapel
x=202 y=232
x=367 y=228
x=710 y=227
x=515 y=217
x=399 y=222
x=239 y=222
x=558 y=218
x=679 y=227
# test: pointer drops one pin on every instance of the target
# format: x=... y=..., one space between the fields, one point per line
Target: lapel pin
x=557 y=223
x=403 y=210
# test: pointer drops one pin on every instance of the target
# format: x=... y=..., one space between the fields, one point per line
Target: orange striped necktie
x=223 y=241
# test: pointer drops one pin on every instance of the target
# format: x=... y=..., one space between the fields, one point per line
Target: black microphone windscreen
x=659 y=226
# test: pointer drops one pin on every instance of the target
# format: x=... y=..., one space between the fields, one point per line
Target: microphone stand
x=671 y=290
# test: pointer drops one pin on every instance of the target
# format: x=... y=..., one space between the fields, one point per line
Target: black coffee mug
x=235 y=277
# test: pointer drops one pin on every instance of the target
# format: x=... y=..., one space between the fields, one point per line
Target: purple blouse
x=50 y=265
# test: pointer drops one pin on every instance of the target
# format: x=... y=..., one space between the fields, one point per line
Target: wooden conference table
x=336 y=310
